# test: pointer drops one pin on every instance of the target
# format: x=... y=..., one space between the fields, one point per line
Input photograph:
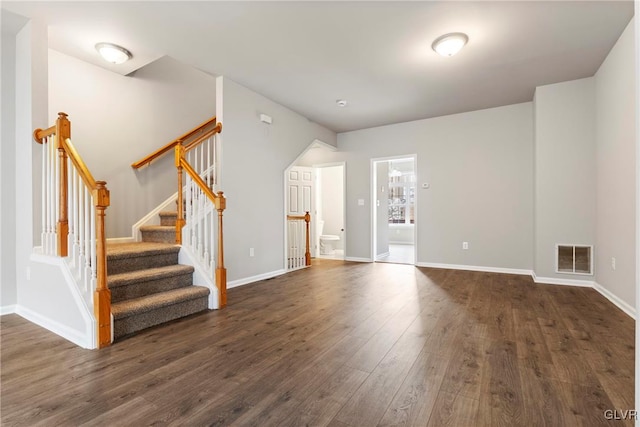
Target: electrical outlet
x=465 y=245
x=251 y=252
x=613 y=263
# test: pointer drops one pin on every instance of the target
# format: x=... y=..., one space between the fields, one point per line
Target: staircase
x=148 y=286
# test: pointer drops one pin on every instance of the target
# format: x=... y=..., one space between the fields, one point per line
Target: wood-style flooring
x=342 y=344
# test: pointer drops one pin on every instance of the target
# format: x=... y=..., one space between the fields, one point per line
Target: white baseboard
x=475 y=268
x=64 y=331
x=564 y=282
x=401 y=243
x=386 y=254
x=7 y=309
x=630 y=311
x=256 y=278
x=356 y=259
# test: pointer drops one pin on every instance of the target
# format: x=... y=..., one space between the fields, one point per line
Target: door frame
x=344 y=205
x=373 y=213
x=316 y=143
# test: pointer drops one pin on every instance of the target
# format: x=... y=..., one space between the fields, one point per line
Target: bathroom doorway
x=394 y=210
x=330 y=210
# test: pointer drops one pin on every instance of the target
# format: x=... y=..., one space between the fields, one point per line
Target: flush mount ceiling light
x=113 y=53
x=450 y=44
x=341 y=103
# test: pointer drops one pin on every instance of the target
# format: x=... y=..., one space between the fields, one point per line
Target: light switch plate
x=360 y=202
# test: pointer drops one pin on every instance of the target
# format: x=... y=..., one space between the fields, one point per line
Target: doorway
x=330 y=211
x=394 y=210
x=324 y=198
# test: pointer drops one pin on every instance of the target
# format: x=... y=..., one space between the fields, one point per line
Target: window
x=574 y=259
x=402 y=196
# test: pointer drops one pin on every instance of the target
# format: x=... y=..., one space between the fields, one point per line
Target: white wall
x=31 y=111
x=332 y=201
x=565 y=166
x=8 y=289
x=401 y=234
x=480 y=167
x=116 y=120
x=254 y=158
x=616 y=165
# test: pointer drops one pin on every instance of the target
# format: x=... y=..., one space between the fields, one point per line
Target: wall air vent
x=574 y=259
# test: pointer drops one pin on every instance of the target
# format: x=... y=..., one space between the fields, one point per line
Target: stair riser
x=155 y=317
x=159 y=236
x=169 y=221
x=140 y=289
x=116 y=266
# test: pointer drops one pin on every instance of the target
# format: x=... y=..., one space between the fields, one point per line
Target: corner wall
x=254 y=158
x=565 y=173
x=616 y=164
x=8 y=289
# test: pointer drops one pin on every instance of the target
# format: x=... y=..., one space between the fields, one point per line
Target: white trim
x=152 y=218
x=7 y=309
x=559 y=281
x=76 y=337
x=386 y=254
x=630 y=311
x=401 y=243
x=357 y=259
x=476 y=268
x=256 y=278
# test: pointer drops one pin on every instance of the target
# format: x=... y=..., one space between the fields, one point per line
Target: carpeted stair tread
x=138 y=276
x=127 y=308
x=157 y=228
x=127 y=250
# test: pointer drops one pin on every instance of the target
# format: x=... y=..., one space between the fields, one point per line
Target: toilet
x=327 y=241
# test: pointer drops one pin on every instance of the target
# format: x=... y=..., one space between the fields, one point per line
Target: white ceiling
x=376 y=55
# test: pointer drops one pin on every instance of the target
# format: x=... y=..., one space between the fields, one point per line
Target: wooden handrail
x=39 y=134
x=168 y=147
x=193 y=144
x=220 y=204
x=306 y=218
x=101 y=200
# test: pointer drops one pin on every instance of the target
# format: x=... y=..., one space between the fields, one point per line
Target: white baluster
x=87 y=237
x=93 y=246
x=45 y=141
x=214 y=237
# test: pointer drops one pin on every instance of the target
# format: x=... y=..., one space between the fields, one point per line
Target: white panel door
x=301 y=194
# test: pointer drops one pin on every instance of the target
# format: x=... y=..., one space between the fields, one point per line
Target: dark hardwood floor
x=342 y=344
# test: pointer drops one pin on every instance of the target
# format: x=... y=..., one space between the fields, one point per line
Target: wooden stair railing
x=294 y=258
x=196 y=154
x=200 y=235
x=186 y=139
x=78 y=213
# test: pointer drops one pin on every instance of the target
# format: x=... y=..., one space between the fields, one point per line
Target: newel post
x=221 y=271
x=180 y=208
x=63 y=132
x=307 y=254
x=102 y=294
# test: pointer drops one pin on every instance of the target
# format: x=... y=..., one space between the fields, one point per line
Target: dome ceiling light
x=113 y=53
x=450 y=44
